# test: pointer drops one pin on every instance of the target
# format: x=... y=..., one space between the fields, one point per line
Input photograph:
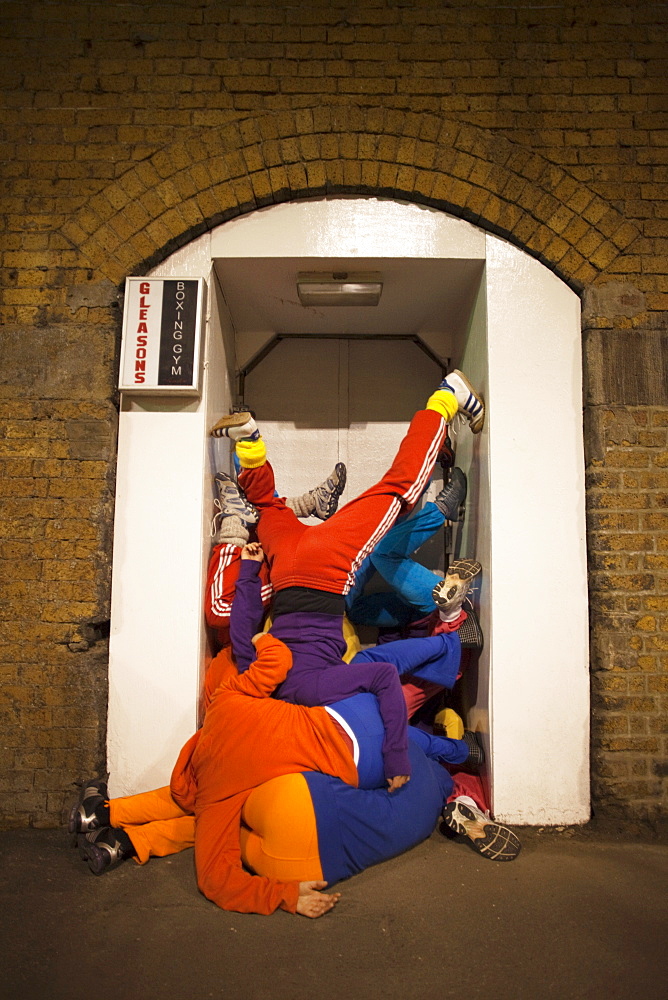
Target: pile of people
x=305 y=770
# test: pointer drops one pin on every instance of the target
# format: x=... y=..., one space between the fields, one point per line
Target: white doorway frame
x=525 y=519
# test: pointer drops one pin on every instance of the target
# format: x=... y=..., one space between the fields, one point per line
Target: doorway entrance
x=341 y=387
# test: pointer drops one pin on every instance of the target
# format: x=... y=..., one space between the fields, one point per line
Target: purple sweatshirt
x=319 y=675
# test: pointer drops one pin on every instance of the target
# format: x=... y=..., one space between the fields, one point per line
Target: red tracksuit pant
x=326 y=556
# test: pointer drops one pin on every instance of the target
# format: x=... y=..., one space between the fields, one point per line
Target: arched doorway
x=469 y=298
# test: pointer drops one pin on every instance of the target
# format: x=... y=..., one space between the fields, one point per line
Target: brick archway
x=194 y=185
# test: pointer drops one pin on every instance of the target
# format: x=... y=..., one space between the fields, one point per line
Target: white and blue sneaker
x=231 y=500
x=470 y=401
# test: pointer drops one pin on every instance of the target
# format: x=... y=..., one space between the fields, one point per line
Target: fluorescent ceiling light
x=339 y=288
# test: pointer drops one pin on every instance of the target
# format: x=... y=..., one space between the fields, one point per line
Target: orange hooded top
x=247 y=739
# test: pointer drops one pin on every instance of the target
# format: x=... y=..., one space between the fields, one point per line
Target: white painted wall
x=526 y=473
x=476 y=537
x=525 y=523
x=538 y=569
x=164 y=497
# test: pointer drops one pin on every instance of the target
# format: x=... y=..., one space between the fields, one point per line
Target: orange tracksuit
x=247 y=739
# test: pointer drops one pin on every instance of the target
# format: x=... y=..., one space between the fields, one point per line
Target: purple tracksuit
x=319 y=676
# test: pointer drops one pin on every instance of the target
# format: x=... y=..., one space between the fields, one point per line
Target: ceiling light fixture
x=339 y=288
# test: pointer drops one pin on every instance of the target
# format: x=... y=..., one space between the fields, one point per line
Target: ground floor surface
x=580 y=914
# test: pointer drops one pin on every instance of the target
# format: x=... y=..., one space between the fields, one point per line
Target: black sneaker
x=490 y=839
x=446 y=456
x=89 y=811
x=105 y=849
x=470 y=632
x=450 y=501
x=476 y=757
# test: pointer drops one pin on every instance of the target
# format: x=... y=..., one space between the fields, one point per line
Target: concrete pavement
x=579 y=914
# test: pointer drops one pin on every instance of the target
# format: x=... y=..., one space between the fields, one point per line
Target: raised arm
x=382 y=680
x=247 y=611
x=270 y=668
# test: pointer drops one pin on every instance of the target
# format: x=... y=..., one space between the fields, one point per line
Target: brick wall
x=628 y=553
x=130 y=128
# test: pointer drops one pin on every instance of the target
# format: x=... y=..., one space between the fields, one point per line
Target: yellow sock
x=444 y=402
x=448 y=723
x=251 y=454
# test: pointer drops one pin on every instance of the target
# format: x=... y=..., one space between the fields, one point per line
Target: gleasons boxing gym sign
x=162 y=333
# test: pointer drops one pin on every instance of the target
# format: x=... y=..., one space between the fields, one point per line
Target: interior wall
x=476 y=539
x=321 y=402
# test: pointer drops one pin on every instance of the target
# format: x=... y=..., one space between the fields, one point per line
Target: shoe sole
x=476 y=423
x=231 y=420
x=93 y=856
x=457 y=578
x=490 y=839
x=342 y=475
x=464 y=569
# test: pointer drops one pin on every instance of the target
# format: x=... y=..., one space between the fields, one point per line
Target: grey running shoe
x=490 y=839
x=326 y=496
x=104 y=849
x=89 y=811
x=236 y=426
x=450 y=501
x=231 y=500
x=322 y=501
x=449 y=594
x=470 y=401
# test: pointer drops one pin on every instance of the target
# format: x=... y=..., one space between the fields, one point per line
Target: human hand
x=253 y=551
x=312 y=903
x=397 y=781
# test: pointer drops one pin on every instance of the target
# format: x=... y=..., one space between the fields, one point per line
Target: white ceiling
x=430 y=297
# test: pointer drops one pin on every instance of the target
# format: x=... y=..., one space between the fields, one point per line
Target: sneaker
x=105 y=848
x=89 y=811
x=449 y=593
x=446 y=456
x=231 y=500
x=326 y=496
x=450 y=501
x=476 y=757
x=490 y=839
x=470 y=632
x=322 y=501
x=470 y=402
x=236 y=426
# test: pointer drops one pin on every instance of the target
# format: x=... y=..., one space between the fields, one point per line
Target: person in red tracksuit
x=312 y=567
